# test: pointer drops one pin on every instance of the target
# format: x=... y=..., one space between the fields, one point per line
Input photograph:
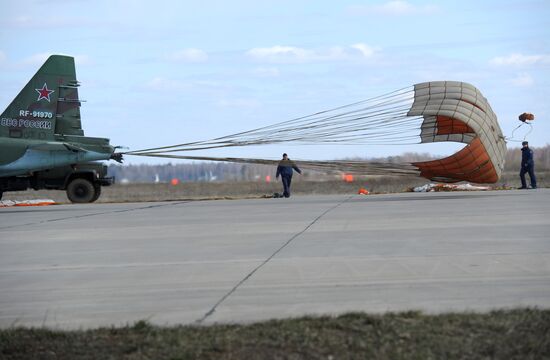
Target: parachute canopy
x=436 y=111
x=456 y=111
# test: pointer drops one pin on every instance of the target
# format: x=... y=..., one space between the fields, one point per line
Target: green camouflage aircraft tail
x=47 y=105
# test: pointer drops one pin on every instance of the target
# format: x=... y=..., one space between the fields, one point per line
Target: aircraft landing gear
x=97 y=192
x=81 y=191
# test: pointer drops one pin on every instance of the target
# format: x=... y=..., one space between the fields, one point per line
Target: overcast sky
x=162 y=72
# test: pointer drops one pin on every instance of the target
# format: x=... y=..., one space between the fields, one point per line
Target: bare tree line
x=542 y=158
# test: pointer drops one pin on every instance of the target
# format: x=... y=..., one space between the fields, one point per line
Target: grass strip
x=501 y=334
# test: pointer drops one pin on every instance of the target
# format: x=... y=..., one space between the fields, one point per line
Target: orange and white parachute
x=456 y=111
x=436 y=111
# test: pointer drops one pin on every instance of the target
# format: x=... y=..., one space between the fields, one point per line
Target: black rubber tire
x=81 y=191
x=1 y=193
x=97 y=192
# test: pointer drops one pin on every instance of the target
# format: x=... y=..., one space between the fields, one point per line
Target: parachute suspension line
x=378 y=120
x=528 y=132
x=511 y=138
x=350 y=166
x=381 y=120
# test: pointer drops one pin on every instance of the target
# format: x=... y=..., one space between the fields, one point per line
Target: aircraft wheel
x=97 y=192
x=81 y=191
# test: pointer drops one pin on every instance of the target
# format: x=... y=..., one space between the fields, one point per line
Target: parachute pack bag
x=526 y=117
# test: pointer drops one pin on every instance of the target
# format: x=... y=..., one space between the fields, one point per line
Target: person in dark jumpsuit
x=527 y=166
x=285 y=169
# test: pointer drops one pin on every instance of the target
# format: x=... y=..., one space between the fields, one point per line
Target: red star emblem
x=44 y=93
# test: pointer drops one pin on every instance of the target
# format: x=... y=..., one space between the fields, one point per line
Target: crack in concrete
x=249 y=275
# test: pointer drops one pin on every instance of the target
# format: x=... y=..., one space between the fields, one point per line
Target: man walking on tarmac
x=285 y=169
x=527 y=166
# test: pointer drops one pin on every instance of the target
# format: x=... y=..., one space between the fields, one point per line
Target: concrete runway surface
x=82 y=266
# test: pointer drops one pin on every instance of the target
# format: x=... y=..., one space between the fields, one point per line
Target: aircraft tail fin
x=47 y=105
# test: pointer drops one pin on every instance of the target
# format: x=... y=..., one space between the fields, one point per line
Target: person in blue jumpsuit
x=285 y=169
x=527 y=166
